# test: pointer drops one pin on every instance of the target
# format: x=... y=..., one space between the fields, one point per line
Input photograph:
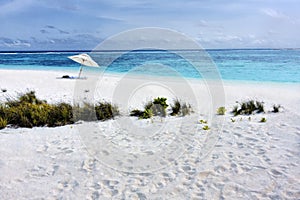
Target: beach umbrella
x=84 y=60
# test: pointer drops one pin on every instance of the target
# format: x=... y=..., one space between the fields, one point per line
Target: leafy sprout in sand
x=221 y=110
x=263 y=120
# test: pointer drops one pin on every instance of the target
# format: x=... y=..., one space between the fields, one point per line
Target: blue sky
x=74 y=24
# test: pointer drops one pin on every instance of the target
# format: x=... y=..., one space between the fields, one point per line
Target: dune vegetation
x=158 y=107
x=29 y=111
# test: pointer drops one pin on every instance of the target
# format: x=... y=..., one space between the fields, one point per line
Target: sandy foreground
x=170 y=158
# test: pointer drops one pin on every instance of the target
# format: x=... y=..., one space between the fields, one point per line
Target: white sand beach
x=244 y=159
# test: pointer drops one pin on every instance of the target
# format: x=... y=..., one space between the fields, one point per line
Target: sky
x=83 y=24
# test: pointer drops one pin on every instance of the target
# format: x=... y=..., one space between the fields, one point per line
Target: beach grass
x=248 y=108
x=180 y=108
x=158 y=107
x=29 y=111
x=105 y=111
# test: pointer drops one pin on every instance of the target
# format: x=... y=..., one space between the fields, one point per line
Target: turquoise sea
x=262 y=65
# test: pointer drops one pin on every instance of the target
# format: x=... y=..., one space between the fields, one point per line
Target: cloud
x=63 y=32
x=274 y=13
x=11 y=43
x=43 y=31
x=50 y=27
x=53 y=28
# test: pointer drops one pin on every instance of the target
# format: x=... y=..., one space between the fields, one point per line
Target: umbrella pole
x=80 y=71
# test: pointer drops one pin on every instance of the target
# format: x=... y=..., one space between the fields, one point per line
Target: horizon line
x=90 y=50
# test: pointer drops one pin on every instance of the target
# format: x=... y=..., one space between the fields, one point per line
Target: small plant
x=105 y=111
x=85 y=112
x=186 y=109
x=157 y=107
x=263 y=120
x=181 y=109
x=176 y=108
x=148 y=113
x=221 y=110
x=205 y=128
x=202 y=121
x=161 y=101
x=248 y=108
x=276 y=108
x=3 y=123
x=236 y=111
x=136 y=113
x=232 y=120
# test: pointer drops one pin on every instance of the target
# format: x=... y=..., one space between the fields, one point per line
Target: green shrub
x=179 y=108
x=30 y=97
x=148 y=113
x=27 y=98
x=158 y=107
x=3 y=123
x=86 y=112
x=29 y=111
x=206 y=128
x=161 y=101
x=136 y=113
x=186 y=109
x=28 y=115
x=221 y=110
x=61 y=114
x=105 y=111
x=248 y=108
x=176 y=108
x=101 y=111
x=3 y=110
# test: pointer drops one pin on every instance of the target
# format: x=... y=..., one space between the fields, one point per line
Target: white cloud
x=17 y=43
x=274 y=13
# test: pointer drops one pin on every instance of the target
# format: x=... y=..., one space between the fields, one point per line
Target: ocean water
x=262 y=65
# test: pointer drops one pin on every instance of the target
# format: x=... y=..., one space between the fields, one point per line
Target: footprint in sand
x=276 y=172
x=55 y=169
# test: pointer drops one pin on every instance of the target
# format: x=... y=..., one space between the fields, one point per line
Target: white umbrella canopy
x=84 y=59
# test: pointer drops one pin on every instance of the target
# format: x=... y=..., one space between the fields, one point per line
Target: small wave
x=1 y=53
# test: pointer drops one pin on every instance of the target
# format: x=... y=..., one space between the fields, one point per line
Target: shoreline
x=170 y=78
